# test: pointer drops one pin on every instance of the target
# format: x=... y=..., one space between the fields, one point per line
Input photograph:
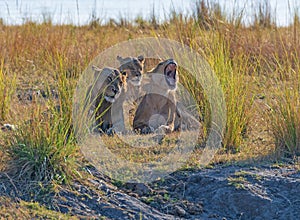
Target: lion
x=108 y=85
x=157 y=110
x=133 y=67
x=125 y=105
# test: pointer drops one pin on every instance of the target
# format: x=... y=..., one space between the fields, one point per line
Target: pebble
x=179 y=211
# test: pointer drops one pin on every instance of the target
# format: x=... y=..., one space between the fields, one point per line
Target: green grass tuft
x=43 y=149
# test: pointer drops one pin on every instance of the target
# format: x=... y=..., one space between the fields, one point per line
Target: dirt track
x=230 y=192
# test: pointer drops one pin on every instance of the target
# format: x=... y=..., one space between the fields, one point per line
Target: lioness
x=108 y=85
x=157 y=110
x=133 y=67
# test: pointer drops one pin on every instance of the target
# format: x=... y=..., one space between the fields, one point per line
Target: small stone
x=195 y=209
x=8 y=127
x=179 y=211
x=139 y=188
x=142 y=189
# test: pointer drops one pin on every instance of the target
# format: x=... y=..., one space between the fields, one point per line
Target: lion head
x=108 y=83
x=169 y=70
x=133 y=67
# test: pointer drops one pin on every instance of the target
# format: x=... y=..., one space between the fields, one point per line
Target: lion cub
x=157 y=110
x=107 y=87
x=133 y=67
x=121 y=110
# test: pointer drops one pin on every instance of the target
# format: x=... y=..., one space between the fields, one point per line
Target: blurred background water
x=81 y=12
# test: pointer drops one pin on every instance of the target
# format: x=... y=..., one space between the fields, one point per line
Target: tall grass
x=285 y=114
x=286 y=123
x=208 y=13
x=43 y=149
x=50 y=57
x=216 y=47
x=7 y=89
x=231 y=73
x=263 y=15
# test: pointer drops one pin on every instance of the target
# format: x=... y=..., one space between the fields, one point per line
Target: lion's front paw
x=163 y=129
x=110 y=132
x=147 y=130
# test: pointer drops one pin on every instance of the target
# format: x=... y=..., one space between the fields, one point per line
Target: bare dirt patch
x=223 y=192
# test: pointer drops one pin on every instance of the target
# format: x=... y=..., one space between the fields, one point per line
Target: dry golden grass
x=36 y=53
x=257 y=67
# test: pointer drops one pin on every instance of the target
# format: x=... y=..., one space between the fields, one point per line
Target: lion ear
x=141 y=58
x=120 y=59
x=96 y=70
x=124 y=73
